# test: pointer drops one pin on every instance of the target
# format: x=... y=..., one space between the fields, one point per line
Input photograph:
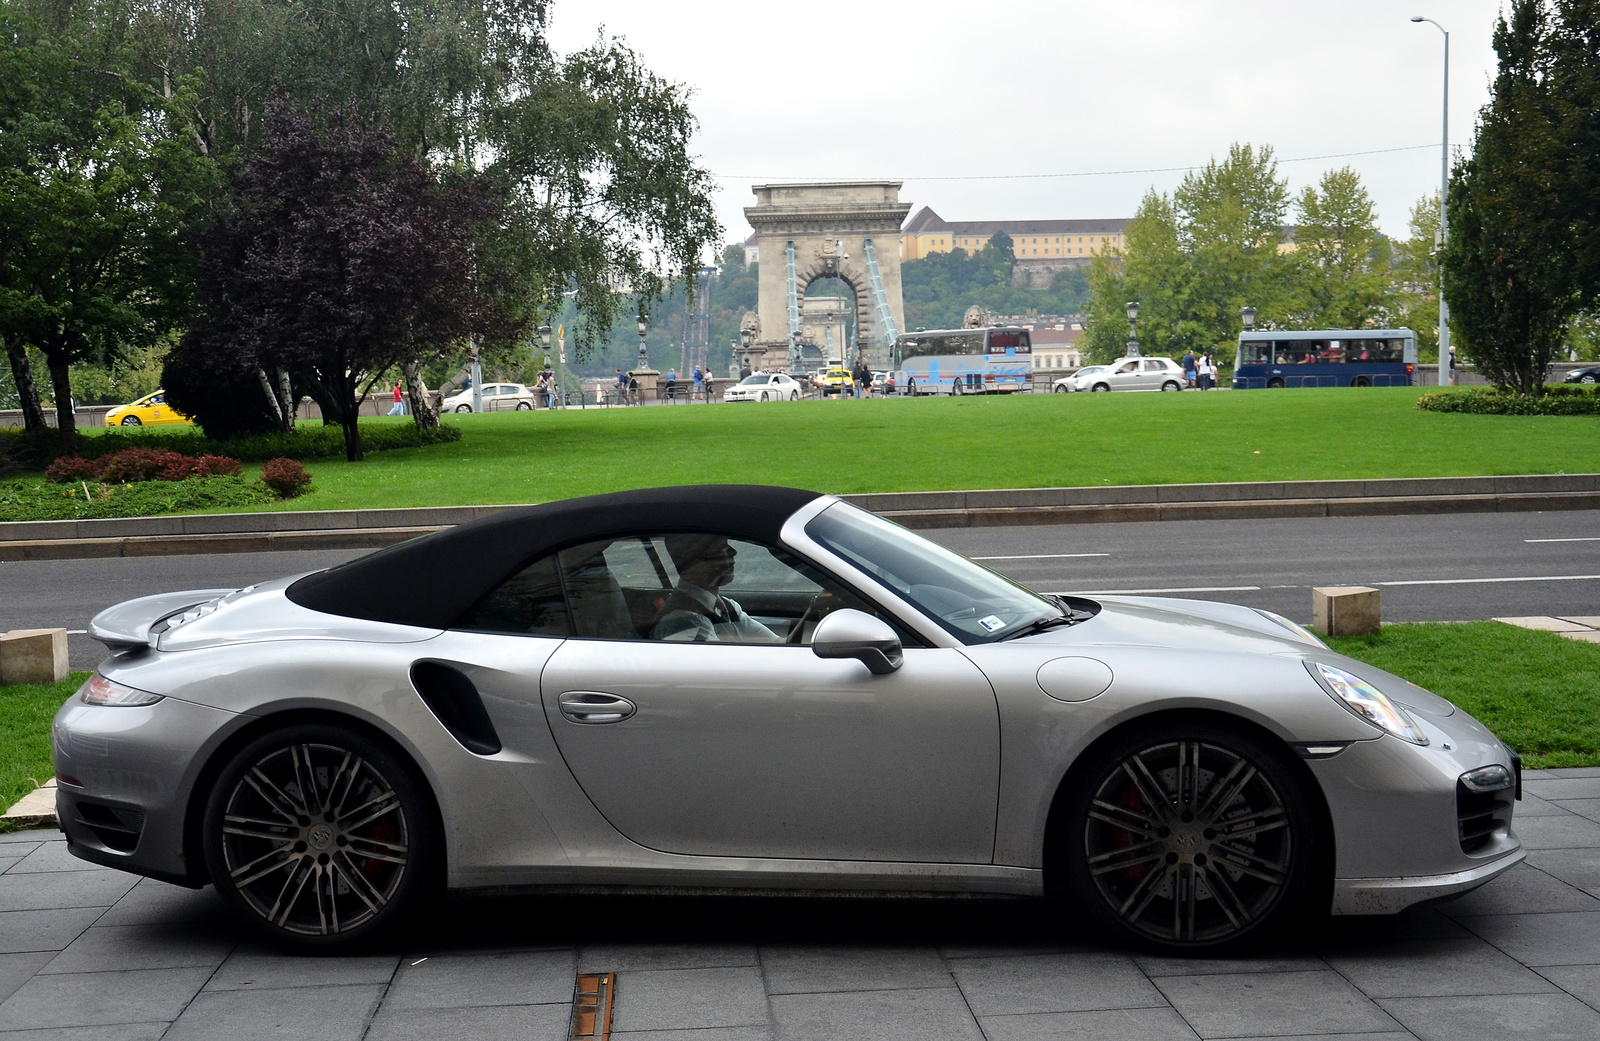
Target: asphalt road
x=1429 y=568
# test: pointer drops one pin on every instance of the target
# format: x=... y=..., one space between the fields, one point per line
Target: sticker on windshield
x=991 y=623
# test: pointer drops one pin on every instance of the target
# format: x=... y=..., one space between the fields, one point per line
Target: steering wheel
x=820 y=605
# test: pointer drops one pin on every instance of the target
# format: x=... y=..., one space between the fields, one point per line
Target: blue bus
x=967 y=361
x=1326 y=358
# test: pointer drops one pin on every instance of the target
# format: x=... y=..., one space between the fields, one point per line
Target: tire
x=1144 y=858
x=911 y=388
x=1060 y=390
x=1582 y=379
x=1360 y=381
x=1275 y=383
x=523 y=406
x=1170 y=386
x=463 y=408
x=794 y=395
x=131 y=421
x=955 y=388
x=1101 y=387
x=764 y=396
x=260 y=828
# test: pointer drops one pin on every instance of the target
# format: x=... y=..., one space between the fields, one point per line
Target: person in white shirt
x=696 y=610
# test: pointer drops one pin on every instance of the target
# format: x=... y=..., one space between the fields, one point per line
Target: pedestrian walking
x=862 y=377
x=694 y=391
x=1190 y=373
x=1200 y=373
x=672 y=384
x=399 y=408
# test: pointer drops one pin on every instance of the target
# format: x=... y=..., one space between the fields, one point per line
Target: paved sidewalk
x=93 y=955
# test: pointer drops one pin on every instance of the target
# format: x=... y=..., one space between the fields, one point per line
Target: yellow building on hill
x=1062 y=241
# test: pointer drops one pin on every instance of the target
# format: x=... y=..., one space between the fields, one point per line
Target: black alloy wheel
x=319 y=836
x=131 y=421
x=1192 y=836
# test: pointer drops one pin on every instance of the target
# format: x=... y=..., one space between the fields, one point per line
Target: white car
x=497 y=397
x=1067 y=384
x=764 y=386
x=1129 y=374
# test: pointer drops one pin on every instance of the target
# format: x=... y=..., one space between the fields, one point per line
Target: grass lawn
x=1538 y=691
x=25 y=714
x=1033 y=440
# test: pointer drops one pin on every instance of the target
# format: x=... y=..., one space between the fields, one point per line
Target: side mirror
x=848 y=633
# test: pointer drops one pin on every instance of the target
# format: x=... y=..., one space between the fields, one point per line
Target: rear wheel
x=794 y=395
x=1102 y=387
x=133 y=421
x=1361 y=381
x=523 y=406
x=1275 y=384
x=1190 y=835
x=320 y=836
x=1586 y=378
x=955 y=387
x=911 y=388
x=463 y=408
x=1171 y=385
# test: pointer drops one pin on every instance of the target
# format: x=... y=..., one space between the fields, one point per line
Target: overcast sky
x=937 y=89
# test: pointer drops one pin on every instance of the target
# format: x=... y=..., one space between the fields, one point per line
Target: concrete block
x=33 y=656
x=1344 y=610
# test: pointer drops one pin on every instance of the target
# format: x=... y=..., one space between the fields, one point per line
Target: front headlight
x=1368 y=702
x=101 y=691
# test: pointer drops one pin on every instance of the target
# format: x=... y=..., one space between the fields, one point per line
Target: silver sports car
x=758 y=688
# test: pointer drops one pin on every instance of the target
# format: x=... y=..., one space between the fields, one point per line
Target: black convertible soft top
x=430 y=581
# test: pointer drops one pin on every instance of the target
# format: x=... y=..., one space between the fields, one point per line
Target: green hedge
x=1557 y=400
x=35 y=451
x=28 y=501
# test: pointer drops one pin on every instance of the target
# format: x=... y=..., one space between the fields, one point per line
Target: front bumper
x=124 y=778
x=1364 y=896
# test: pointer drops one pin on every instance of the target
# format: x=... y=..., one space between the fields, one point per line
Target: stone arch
x=828 y=225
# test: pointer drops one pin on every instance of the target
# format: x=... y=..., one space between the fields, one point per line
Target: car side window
x=529 y=603
x=1131 y=366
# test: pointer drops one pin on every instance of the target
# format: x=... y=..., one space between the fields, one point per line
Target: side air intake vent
x=117 y=827
x=455 y=701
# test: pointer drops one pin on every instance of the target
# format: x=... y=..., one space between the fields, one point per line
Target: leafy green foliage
x=310 y=441
x=1558 y=400
x=1535 y=690
x=1340 y=267
x=1416 y=278
x=28 y=501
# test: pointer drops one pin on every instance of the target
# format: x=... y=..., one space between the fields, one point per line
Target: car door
x=729 y=743
x=1125 y=376
x=1153 y=373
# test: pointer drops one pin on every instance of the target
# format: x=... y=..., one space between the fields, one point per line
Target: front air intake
x=117 y=827
x=1480 y=816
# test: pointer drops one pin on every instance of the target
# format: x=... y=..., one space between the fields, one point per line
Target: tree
x=1415 y=277
x=1339 y=266
x=1510 y=273
x=97 y=185
x=335 y=256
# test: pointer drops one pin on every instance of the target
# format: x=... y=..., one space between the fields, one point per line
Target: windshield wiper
x=1039 y=625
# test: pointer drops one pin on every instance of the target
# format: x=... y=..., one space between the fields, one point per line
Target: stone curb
x=357 y=529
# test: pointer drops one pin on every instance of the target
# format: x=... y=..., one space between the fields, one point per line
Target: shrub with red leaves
x=133 y=464
x=70 y=469
x=175 y=466
x=285 y=476
x=217 y=466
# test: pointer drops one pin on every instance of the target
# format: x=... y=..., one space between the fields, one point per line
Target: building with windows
x=1060 y=243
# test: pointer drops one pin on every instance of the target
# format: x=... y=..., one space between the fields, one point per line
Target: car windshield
x=750 y=381
x=971 y=602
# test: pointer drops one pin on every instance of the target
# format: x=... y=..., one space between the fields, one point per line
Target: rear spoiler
x=127 y=625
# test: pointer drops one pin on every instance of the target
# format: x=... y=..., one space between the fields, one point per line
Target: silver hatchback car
x=766 y=689
x=1130 y=374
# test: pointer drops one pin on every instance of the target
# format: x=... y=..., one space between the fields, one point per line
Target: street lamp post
x=544 y=338
x=1133 y=328
x=644 y=327
x=1445 y=373
x=1247 y=315
x=746 y=337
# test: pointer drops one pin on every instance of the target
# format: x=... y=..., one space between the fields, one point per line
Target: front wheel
x=320 y=836
x=463 y=408
x=1061 y=390
x=1190 y=835
x=1582 y=379
x=764 y=396
x=131 y=421
x=1102 y=387
x=794 y=395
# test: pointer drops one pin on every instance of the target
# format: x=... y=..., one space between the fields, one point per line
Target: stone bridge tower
x=848 y=230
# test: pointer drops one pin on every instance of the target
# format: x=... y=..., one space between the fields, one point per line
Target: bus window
x=1258 y=353
x=999 y=341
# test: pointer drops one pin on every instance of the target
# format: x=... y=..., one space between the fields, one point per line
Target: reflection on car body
x=759 y=688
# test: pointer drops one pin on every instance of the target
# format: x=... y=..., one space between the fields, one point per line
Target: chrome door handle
x=592 y=706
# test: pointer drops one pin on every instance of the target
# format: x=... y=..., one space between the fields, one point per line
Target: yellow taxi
x=835 y=381
x=150 y=410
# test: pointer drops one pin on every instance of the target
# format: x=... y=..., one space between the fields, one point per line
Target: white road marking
x=1045 y=556
x=1476 y=581
x=1589 y=538
x=77 y=632
x=1146 y=592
